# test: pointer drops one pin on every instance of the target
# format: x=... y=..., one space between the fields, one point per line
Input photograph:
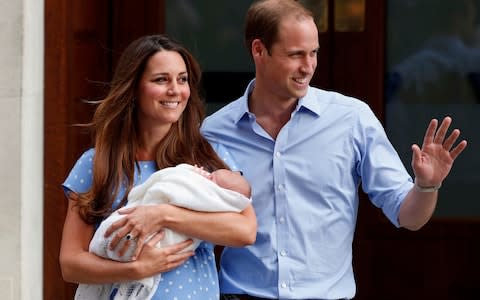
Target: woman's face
x=163 y=90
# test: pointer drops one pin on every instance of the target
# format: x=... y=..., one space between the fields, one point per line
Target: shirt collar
x=310 y=102
x=243 y=110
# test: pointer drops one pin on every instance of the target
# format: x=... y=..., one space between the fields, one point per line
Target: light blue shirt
x=305 y=193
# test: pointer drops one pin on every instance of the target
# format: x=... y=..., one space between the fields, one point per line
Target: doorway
x=83 y=42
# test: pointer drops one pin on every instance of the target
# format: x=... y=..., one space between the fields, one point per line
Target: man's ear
x=258 y=48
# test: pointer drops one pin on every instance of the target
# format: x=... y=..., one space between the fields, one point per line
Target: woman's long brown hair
x=115 y=129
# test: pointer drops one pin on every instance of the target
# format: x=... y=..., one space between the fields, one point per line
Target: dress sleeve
x=79 y=180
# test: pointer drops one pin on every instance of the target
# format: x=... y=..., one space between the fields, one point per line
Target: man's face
x=287 y=71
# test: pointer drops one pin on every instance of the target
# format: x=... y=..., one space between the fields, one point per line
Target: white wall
x=21 y=151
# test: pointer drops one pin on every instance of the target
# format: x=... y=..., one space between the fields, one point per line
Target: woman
x=149 y=120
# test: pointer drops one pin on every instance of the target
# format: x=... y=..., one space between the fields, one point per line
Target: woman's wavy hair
x=115 y=129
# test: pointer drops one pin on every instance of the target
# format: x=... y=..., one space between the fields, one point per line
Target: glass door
x=433 y=71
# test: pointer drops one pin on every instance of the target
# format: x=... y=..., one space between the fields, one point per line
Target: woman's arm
x=80 y=266
x=226 y=226
x=221 y=228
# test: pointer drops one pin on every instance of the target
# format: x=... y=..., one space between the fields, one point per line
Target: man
x=305 y=152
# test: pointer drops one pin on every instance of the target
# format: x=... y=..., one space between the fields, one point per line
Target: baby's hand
x=202 y=172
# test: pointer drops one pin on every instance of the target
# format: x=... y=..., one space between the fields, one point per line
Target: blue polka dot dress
x=195 y=279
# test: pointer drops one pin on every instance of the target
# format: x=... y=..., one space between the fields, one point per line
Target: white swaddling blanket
x=180 y=186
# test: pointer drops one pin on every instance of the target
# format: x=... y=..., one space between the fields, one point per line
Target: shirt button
x=278 y=154
x=284 y=285
x=281 y=220
x=283 y=253
x=281 y=187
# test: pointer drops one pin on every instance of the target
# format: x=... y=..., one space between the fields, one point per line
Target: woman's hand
x=154 y=260
x=137 y=226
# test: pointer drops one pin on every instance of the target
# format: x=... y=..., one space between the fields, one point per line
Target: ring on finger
x=129 y=236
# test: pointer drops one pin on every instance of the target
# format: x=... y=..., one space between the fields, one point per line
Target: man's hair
x=263 y=19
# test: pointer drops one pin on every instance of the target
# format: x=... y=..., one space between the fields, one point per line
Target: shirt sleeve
x=384 y=177
x=79 y=180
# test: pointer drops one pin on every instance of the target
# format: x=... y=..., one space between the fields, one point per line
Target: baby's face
x=224 y=178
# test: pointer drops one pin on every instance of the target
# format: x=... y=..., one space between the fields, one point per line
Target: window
x=433 y=70
x=213 y=32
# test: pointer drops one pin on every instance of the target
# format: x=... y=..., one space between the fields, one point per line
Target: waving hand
x=432 y=163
